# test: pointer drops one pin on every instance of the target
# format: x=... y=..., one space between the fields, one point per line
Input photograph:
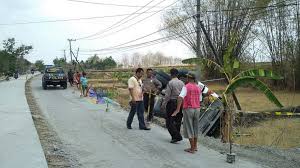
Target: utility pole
x=70 y=44
x=76 y=59
x=65 y=57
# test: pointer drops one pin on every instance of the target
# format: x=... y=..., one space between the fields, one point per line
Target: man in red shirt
x=190 y=99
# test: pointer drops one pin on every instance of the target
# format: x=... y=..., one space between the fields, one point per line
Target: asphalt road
x=100 y=139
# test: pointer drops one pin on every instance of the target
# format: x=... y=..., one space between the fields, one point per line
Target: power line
x=116 y=23
x=74 y=19
x=115 y=47
x=122 y=23
x=128 y=42
x=253 y=14
x=148 y=43
x=107 y=4
x=139 y=21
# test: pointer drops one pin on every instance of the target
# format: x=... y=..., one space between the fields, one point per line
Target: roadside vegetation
x=13 y=57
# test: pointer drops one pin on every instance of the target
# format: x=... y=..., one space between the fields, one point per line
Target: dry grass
x=282 y=133
x=254 y=100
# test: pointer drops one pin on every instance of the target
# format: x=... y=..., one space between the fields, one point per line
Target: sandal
x=189 y=150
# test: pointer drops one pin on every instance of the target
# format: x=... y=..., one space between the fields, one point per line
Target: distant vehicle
x=16 y=75
x=54 y=76
x=48 y=66
x=32 y=71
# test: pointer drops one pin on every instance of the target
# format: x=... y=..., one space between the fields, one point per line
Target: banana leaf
x=256 y=84
x=259 y=73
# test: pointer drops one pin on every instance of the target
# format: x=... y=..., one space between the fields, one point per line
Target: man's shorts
x=84 y=88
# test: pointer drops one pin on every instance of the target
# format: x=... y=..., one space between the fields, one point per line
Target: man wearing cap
x=190 y=99
x=173 y=123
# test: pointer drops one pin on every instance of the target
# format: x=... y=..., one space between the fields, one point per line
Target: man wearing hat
x=173 y=123
x=189 y=97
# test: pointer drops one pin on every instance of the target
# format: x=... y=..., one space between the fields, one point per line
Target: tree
x=222 y=19
x=60 y=62
x=125 y=61
x=13 y=57
x=280 y=29
x=91 y=62
x=109 y=63
x=39 y=64
x=95 y=62
x=7 y=62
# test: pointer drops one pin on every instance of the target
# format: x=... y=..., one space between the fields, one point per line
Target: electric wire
x=116 y=23
x=144 y=44
x=150 y=34
x=137 y=22
x=108 y=4
x=155 y=33
x=73 y=19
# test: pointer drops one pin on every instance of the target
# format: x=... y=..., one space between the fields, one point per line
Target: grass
x=254 y=100
x=282 y=133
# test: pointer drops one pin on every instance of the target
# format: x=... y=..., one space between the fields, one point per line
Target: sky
x=50 y=39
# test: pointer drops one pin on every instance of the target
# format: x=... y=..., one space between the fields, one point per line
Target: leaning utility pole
x=70 y=44
x=76 y=59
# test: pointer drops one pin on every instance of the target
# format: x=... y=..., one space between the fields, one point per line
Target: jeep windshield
x=55 y=70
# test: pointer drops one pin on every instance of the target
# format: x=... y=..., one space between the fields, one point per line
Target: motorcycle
x=16 y=76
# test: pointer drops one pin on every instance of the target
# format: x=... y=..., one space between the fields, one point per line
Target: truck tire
x=182 y=73
x=163 y=81
x=164 y=75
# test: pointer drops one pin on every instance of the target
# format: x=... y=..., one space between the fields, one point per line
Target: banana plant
x=244 y=78
x=247 y=77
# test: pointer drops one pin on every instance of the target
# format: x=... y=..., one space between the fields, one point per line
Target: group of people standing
x=181 y=103
x=79 y=80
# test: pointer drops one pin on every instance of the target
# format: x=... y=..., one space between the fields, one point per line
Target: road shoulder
x=18 y=136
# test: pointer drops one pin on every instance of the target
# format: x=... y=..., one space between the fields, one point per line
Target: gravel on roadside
x=56 y=154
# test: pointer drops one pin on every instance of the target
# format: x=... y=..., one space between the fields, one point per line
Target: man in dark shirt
x=70 y=77
x=151 y=87
x=173 y=123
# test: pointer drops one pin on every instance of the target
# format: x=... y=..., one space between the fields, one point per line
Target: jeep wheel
x=44 y=86
x=65 y=85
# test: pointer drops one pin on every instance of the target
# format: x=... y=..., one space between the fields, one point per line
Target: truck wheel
x=163 y=81
x=164 y=75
